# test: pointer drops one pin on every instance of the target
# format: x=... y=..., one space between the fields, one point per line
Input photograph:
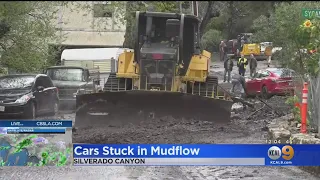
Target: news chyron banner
x=195 y=155
x=35 y=143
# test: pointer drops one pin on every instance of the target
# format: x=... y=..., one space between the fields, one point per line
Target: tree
x=283 y=29
x=299 y=38
x=26 y=30
x=130 y=8
x=235 y=17
x=211 y=39
x=210 y=12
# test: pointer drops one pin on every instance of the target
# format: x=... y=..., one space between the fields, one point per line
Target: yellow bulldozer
x=165 y=75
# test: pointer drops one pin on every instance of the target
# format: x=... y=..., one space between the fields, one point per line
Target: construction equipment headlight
x=24 y=99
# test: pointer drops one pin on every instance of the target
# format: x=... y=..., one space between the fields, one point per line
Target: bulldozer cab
x=163 y=42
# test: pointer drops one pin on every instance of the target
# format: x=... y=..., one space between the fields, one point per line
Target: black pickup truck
x=73 y=80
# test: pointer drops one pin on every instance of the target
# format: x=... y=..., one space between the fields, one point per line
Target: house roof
x=91 y=54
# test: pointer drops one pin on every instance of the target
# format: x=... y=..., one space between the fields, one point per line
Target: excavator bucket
x=117 y=108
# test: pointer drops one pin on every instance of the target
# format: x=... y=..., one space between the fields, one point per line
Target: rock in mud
x=280 y=133
x=235 y=116
x=237 y=107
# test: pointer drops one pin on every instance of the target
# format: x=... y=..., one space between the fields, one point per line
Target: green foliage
x=130 y=9
x=284 y=29
x=166 y=6
x=24 y=46
x=3 y=71
x=296 y=110
x=211 y=39
x=238 y=16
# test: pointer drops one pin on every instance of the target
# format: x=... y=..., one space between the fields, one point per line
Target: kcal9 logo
x=275 y=152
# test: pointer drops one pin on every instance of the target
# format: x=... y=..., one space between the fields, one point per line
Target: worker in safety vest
x=242 y=64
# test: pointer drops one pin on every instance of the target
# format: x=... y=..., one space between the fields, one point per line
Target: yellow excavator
x=166 y=75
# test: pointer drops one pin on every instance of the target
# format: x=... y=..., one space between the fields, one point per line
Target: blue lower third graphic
x=183 y=154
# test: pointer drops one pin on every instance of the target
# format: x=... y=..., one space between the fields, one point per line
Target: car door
x=258 y=81
x=253 y=83
x=261 y=80
x=40 y=95
x=50 y=92
x=250 y=86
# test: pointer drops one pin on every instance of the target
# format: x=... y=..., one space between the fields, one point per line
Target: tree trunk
x=230 y=20
x=206 y=19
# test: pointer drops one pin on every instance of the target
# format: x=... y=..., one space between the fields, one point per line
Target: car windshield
x=282 y=72
x=278 y=72
x=16 y=82
x=65 y=74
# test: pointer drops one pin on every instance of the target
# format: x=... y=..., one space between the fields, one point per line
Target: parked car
x=271 y=81
x=73 y=80
x=27 y=95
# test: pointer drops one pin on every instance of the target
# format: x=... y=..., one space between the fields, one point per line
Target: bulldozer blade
x=123 y=107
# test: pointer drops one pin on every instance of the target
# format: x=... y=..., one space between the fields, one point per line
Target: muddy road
x=246 y=127
x=241 y=130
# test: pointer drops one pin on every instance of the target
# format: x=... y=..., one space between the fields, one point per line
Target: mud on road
x=240 y=130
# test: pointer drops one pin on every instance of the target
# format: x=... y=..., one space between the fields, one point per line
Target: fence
x=314 y=102
x=313 y=99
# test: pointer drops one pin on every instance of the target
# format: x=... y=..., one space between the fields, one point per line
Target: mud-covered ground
x=240 y=130
x=245 y=128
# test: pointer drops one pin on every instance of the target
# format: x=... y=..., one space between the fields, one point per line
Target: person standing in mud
x=242 y=64
x=222 y=50
x=253 y=65
x=228 y=67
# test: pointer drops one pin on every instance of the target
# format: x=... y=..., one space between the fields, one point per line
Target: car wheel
x=264 y=93
x=31 y=111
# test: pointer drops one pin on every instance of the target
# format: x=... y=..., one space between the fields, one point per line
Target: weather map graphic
x=35 y=149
